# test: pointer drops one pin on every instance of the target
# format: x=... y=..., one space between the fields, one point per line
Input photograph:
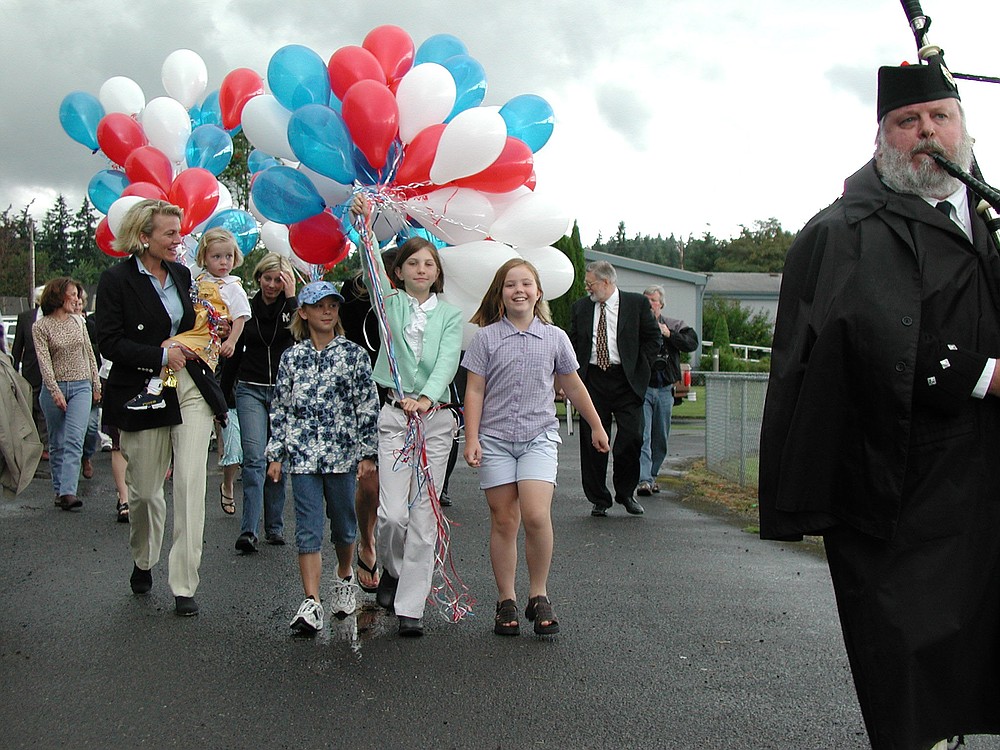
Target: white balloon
x=502 y=201
x=332 y=191
x=265 y=123
x=531 y=221
x=167 y=126
x=118 y=209
x=184 y=76
x=554 y=268
x=122 y=94
x=426 y=96
x=470 y=142
x=470 y=268
x=275 y=238
x=388 y=222
x=455 y=215
x=252 y=208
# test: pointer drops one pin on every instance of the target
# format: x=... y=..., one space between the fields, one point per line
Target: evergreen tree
x=236 y=176
x=14 y=253
x=573 y=248
x=760 y=249
x=52 y=246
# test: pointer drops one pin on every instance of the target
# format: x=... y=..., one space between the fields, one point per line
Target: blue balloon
x=470 y=83
x=439 y=48
x=320 y=139
x=298 y=76
x=410 y=231
x=105 y=188
x=209 y=147
x=195 y=114
x=240 y=224
x=285 y=195
x=368 y=175
x=530 y=118
x=258 y=161
x=79 y=114
x=335 y=104
x=211 y=113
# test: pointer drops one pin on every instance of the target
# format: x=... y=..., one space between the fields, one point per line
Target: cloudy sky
x=674 y=116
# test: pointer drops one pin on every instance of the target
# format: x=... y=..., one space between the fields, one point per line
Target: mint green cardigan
x=432 y=375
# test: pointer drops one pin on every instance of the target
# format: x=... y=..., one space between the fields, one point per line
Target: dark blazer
x=23 y=349
x=131 y=326
x=638 y=337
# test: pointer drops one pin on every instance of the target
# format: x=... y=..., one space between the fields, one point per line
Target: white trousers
x=148 y=453
x=407 y=528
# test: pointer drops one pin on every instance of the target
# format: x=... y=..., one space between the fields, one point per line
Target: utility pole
x=31 y=254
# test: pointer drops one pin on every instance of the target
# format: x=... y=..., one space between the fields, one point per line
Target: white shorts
x=506 y=462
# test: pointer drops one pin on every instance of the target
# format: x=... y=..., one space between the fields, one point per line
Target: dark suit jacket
x=131 y=326
x=23 y=349
x=638 y=337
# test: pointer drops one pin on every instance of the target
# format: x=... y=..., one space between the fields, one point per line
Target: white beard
x=924 y=178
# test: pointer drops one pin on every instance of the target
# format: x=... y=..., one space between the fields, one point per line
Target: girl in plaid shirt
x=512 y=434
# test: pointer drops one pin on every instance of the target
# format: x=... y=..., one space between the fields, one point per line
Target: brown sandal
x=539 y=611
x=506 y=614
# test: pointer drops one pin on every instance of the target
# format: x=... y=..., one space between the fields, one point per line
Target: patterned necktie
x=603 y=358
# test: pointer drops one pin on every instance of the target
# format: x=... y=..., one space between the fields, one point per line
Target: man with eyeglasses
x=616 y=338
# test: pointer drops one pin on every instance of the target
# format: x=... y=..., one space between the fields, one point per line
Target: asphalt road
x=679 y=630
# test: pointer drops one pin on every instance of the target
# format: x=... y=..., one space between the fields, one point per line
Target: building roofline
x=653 y=269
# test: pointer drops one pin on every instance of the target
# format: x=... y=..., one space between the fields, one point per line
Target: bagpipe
x=989 y=203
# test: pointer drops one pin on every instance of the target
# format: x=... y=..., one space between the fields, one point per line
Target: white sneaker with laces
x=344 y=597
x=309 y=618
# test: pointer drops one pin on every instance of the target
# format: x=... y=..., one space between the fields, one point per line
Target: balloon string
x=448 y=594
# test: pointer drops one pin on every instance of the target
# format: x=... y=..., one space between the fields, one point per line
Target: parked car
x=9 y=327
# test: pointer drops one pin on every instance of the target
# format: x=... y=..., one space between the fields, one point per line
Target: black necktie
x=944 y=207
x=603 y=357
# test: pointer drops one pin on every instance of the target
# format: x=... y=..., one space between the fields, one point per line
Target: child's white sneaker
x=309 y=618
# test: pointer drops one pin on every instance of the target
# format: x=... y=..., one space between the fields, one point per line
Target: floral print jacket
x=324 y=415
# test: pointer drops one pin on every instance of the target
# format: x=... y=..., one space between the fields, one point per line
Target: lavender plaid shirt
x=519 y=367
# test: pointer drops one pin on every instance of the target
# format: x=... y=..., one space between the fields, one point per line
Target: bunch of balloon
x=170 y=148
x=405 y=126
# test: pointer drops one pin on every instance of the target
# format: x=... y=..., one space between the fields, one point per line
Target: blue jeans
x=66 y=432
x=92 y=440
x=311 y=493
x=657 y=407
x=260 y=494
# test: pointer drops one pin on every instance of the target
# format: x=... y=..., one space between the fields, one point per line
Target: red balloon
x=393 y=48
x=149 y=164
x=511 y=170
x=319 y=239
x=119 y=135
x=372 y=118
x=238 y=87
x=531 y=182
x=415 y=168
x=104 y=239
x=351 y=64
x=145 y=190
x=197 y=192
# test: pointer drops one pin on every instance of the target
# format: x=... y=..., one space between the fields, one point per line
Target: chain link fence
x=734 y=407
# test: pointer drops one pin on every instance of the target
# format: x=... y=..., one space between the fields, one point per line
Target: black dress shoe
x=410 y=627
x=632 y=505
x=185 y=606
x=599 y=511
x=444 y=500
x=385 y=594
x=141 y=580
x=246 y=543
